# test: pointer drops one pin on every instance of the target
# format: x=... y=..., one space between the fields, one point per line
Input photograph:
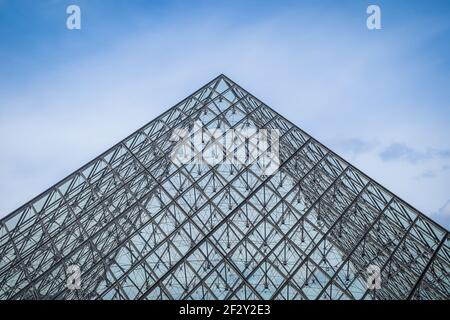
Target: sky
x=379 y=98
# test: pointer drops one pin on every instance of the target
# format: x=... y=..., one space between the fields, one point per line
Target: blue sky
x=379 y=98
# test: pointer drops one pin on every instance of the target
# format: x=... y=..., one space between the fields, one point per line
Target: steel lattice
x=141 y=227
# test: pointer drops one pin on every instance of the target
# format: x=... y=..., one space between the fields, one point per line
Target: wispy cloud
x=400 y=151
x=442 y=216
x=428 y=174
x=356 y=145
x=351 y=148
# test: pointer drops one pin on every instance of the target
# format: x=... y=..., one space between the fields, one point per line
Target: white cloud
x=445 y=210
x=442 y=216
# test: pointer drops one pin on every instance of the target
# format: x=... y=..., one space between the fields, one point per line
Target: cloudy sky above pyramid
x=378 y=98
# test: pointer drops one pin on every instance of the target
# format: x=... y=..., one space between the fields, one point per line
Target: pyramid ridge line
x=423 y=215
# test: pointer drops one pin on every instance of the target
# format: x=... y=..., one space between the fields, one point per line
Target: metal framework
x=141 y=227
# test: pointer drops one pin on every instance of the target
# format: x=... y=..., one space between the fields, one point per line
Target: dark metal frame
x=141 y=227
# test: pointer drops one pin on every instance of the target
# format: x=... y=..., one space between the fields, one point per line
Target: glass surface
x=140 y=226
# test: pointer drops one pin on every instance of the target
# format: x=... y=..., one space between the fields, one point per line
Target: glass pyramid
x=135 y=224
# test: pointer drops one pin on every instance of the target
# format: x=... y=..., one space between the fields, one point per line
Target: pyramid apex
x=223 y=76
